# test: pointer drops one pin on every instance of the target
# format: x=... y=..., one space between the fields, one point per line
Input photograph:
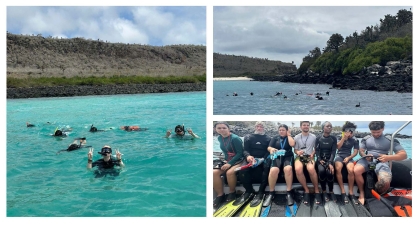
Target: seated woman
x=232 y=147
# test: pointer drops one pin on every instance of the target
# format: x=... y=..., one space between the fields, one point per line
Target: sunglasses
x=350 y=130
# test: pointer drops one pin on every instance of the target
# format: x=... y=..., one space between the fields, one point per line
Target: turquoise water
x=339 y=102
x=406 y=143
x=162 y=177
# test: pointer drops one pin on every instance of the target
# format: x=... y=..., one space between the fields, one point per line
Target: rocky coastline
x=395 y=76
x=273 y=131
x=88 y=90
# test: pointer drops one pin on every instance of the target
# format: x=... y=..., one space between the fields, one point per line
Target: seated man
x=180 y=133
x=105 y=165
x=256 y=146
x=378 y=147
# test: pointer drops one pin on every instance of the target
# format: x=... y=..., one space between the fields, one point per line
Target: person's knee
x=288 y=169
x=274 y=171
x=359 y=170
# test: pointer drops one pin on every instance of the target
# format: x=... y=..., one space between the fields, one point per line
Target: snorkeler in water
x=76 y=144
x=132 y=128
x=29 y=125
x=105 y=165
x=94 y=129
x=180 y=133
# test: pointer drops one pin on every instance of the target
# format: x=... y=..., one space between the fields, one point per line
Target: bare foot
x=361 y=200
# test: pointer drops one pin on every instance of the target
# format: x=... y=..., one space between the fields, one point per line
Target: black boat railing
x=392 y=140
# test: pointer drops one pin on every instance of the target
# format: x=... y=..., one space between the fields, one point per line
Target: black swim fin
x=332 y=208
x=317 y=210
x=346 y=209
x=304 y=210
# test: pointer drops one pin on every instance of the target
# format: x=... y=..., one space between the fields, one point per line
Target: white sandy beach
x=232 y=78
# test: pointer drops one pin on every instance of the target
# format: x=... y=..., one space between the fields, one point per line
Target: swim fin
x=346 y=209
x=278 y=206
x=360 y=209
x=232 y=207
x=265 y=211
x=252 y=210
x=291 y=210
x=317 y=210
x=331 y=208
x=304 y=210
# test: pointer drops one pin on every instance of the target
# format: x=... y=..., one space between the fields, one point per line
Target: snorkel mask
x=105 y=150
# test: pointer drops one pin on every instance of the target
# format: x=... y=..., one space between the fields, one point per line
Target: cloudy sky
x=142 y=25
x=288 y=33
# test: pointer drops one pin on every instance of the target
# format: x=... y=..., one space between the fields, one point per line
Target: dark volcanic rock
x=395 y=76
x=87 y=90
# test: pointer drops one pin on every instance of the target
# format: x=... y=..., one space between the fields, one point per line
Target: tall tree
x=334 y=42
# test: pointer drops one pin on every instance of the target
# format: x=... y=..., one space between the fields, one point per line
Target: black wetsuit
x=106 y=168
x=325 y=150
x=255 y=145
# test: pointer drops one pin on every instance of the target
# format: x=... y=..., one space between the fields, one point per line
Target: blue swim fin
x=291 y=211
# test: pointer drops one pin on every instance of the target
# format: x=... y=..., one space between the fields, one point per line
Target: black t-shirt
x=326 y=147
x=277 y=141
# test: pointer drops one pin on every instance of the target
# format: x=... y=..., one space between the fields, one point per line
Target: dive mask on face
x=105 y=151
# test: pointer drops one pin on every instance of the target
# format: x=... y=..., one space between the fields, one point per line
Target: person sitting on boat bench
x=106 y=164
x=255 y=146
x=325 y=151
x=304 y=149
x=281 y=146
x=232 y=147
x=180 y=133
x=345 y=157
x=378 y=147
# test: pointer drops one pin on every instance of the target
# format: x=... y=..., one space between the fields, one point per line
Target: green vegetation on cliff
x=379 y=44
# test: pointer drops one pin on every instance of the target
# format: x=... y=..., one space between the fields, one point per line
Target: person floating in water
x=61 y=132
x=29 y=125
x=106 y=164
x=76 y=144
x=180 y=133
x=234 y=94
x=94 y=129
x=132 y=128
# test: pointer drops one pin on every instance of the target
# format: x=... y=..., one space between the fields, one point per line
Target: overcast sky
x=288 y=33
x=155 y=26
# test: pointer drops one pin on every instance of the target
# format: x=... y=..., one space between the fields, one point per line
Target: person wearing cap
x=106 y=162
x=345 y=156
x=180 y=133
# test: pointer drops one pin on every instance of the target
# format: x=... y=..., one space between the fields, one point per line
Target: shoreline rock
x=395 y=76
x=88 y=90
